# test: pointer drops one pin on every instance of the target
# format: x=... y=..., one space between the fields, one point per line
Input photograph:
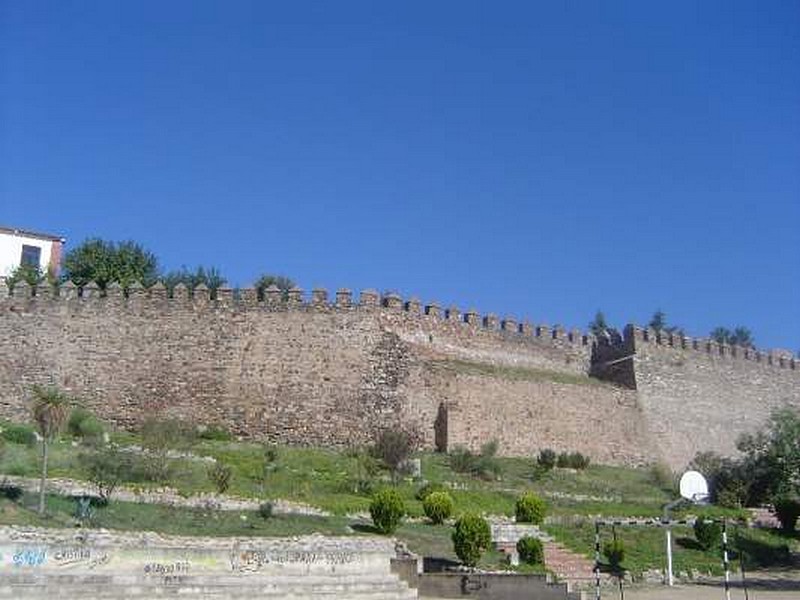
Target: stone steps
x=568 y=565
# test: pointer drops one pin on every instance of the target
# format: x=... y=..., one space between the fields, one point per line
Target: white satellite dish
x=694 y=487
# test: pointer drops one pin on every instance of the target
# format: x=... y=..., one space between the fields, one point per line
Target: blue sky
x=542 y=160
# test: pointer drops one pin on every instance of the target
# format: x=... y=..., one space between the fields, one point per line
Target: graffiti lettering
x=178 y=567
x=32 y=557
x=249 y=560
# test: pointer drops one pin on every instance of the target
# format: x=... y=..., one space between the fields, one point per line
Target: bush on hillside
x=484 y=465
x=707 y=533
x=10 y=491
x=574 y=460
x=546 y=459
x=427 y=489
x=159 y=436
x=215 y=433
x=265 y=510
x=394 y=447
x=438 y=507
x=106 y=468
x=364 y=470
x=17 y=433
x=614 y=551
x=220 y=475
x=387 y=510
x=662 y=476
x=461 y=460
x=472 y=536
x=530 y=550
x=530 y=508
x=787 y=510
x=84 y=425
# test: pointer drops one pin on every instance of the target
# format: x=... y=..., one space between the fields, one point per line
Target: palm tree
x=50 y=412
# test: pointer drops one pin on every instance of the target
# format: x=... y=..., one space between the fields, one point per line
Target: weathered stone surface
x=38 y=563
x=333 y=375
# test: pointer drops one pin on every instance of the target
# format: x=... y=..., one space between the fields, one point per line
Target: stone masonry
x=333 y=372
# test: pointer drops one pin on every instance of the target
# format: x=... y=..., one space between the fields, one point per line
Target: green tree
x=740 y=336
x=743 y=337
x=721 y=335
x=530 y=508
x=210 y=277
x=50 y=412
x=658 y=321
x=472 y=536
x=284 y=284
x=598 y=326
x=106 y=468
x=772 y=458
x=387 y=510
x=107 y=262
x=394 y=447
x=30 y=274
x=438 y=506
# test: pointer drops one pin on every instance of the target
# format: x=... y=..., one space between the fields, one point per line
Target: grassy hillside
x=341 y=484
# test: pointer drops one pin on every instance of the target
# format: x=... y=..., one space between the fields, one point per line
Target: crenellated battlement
x=138 y=298
x=637 y=337
x=272 y=299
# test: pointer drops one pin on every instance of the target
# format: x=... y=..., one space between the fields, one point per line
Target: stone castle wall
x=314 y=371
x=698 y=395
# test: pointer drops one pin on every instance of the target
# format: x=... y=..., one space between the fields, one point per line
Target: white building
x=18 y=247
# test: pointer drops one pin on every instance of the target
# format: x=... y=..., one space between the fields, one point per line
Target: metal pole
x=619 y=575
x=666 y=521
x=597 y=560
x=741 y=564
x=669 y=557
x=725 y=559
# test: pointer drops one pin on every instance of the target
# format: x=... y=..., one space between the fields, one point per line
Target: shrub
x=530 y=550
x=730 y=493
x=487 y=466
x=707 y=533
x=471 y=538
x=265 y=510
x=461 y=460
x=615 y=554
x=483 y=465
x=530 y=509
x=427 y=489
x=215 y=433
x=438 y=507
x=83 y=424
x=546 y=459
x=365 y=469
x=662 y=476
x=787 y=510
x=574 y=460
x=387 y=509
x=394 y=447
x=220 y=474
x=158 y=434
x=10 y=491
x=17 y=433
x=107 y=468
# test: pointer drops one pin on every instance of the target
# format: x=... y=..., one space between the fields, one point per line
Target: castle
x=334 y=371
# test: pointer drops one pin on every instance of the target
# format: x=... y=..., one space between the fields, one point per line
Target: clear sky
x=537 y=159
